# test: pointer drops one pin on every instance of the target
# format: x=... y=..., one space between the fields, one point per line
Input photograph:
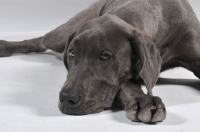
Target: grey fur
x=143 y=37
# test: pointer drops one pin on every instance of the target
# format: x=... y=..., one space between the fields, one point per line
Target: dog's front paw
x=146 y=109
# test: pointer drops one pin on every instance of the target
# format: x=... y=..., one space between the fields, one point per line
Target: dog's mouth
x=89 y=108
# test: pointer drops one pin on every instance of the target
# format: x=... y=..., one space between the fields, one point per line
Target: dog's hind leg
x=193 y=67
x=26 y=46
x=190 y=58
x=197 y=73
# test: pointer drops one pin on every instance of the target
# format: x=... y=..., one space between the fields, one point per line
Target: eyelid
x=106 y=51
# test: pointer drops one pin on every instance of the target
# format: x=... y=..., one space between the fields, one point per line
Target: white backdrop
x=44 y=15
x=37 y=15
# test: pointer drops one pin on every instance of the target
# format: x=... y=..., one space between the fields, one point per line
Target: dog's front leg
x=139 y=106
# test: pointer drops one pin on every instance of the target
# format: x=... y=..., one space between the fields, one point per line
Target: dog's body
x=135 y=39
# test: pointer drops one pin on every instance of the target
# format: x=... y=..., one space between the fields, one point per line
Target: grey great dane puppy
x=113 y=43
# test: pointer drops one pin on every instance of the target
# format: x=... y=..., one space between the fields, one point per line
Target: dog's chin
x=79 y=111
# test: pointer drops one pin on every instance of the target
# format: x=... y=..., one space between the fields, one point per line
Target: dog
x=110 y=46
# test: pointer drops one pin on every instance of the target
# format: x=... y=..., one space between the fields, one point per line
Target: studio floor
x=30 y=84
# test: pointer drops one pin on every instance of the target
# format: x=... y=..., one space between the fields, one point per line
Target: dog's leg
x=26 y=46
x=190 y=54
x=139 y=106
x=194 y=67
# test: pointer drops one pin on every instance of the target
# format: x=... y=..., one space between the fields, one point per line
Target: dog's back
x=159 y=17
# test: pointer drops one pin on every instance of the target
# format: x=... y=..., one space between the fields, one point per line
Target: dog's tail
x=26 y=46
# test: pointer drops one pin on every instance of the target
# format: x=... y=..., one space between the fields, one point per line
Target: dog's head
x=100 y=56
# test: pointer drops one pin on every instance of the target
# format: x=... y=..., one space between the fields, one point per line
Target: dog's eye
x=105 y=55
x=71 y=53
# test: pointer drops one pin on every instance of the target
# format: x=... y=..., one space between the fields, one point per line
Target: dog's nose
x=69 y=98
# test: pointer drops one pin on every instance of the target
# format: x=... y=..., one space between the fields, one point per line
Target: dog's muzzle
x=73 y=104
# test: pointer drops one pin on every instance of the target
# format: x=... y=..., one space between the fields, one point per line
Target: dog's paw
x=146 y=109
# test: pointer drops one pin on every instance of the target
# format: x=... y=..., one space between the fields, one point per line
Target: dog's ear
x=69 y=39
x=149 y=60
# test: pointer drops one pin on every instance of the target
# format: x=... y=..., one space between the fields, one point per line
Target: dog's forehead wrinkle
x=90 y=32
x=92 y=47
x=90 y=39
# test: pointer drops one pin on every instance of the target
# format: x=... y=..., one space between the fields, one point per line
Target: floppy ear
x=70 y=38
x=150 y=61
